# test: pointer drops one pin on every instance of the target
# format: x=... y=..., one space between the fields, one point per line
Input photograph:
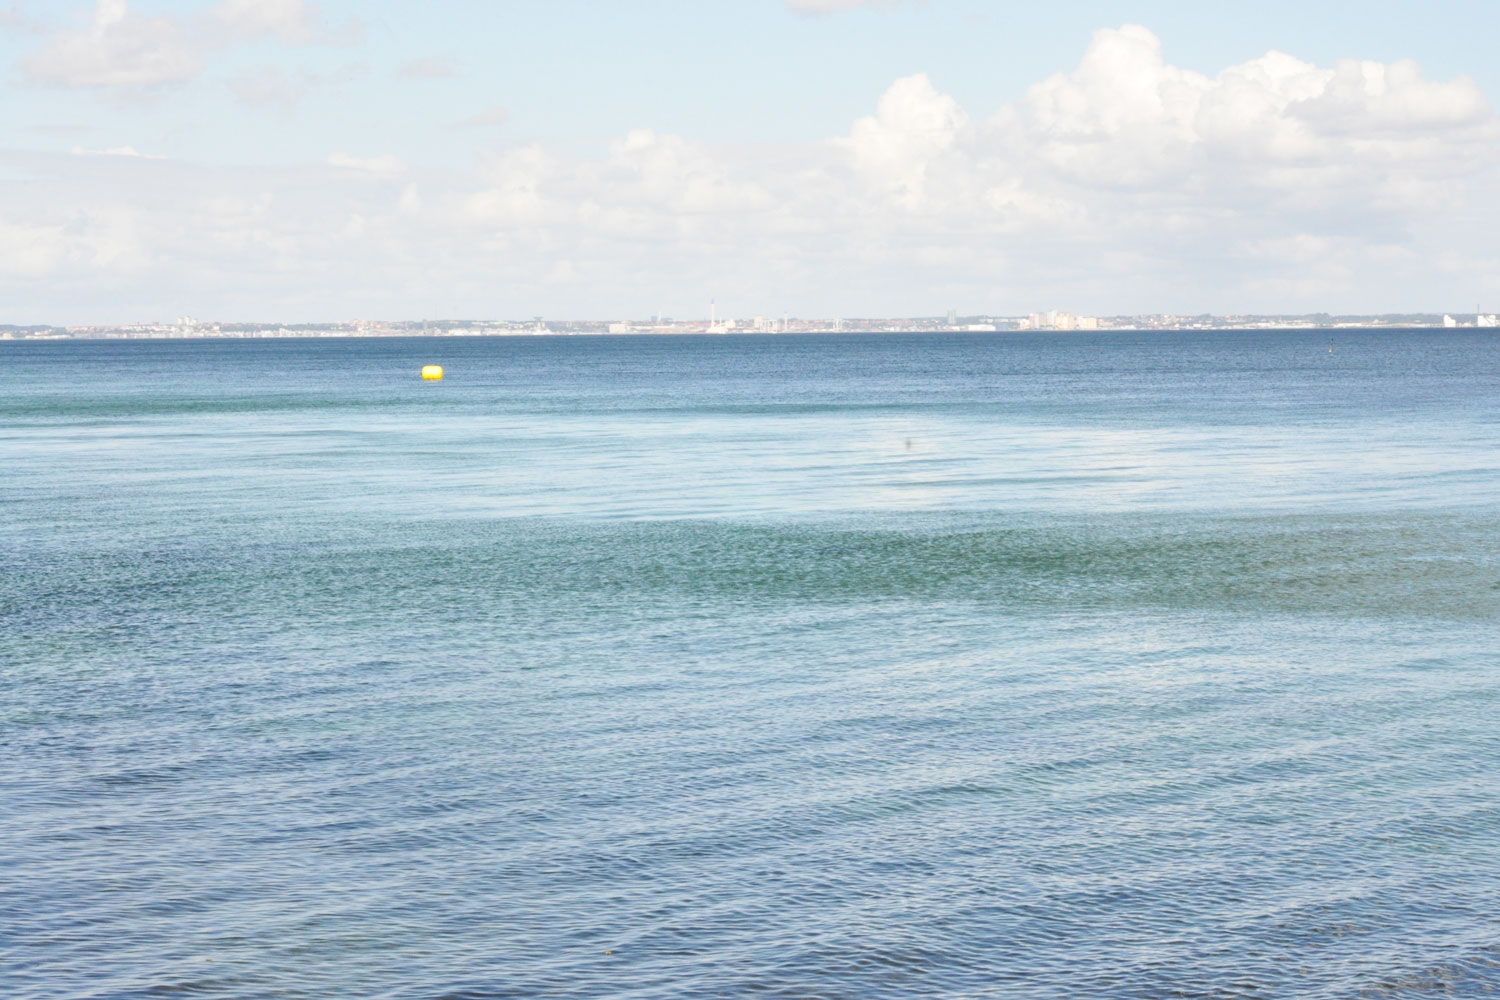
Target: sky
x=315 y=160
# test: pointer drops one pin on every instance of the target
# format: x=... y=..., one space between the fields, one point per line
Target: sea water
x=1115 y=665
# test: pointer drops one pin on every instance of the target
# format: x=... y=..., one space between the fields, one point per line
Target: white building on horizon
x=1055 y=320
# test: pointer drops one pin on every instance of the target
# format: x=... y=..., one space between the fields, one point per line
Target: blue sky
x=318 y=160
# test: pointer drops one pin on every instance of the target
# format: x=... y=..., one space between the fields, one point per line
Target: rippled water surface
x=1132 y=665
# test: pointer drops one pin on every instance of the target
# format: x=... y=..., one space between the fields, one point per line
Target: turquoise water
x=1136 y=665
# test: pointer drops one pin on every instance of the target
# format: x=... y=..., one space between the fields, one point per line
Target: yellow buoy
x=432 y=373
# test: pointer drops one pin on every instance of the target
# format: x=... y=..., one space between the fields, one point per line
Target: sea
x=1121 y=664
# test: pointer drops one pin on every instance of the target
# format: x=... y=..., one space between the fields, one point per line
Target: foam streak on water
x=1118 y=665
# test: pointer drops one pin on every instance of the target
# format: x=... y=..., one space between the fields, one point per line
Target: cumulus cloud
x=674 y=176
x=1126 y=118
x=431 y=68
x=115 y=151
x=290 y=20
x=379 y=166
x=103 y=242
x=1107 y=181
x=123 y=50
x=488 y=118
x=268 y=85
x=12 y=19
x=119 y=49
x=1124 y=183
x=913 y=126
x=829 y=6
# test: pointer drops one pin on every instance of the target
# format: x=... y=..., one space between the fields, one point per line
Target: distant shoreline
x=17 y=334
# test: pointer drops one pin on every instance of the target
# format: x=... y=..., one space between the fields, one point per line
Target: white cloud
x=115 y=151
x=1122 y=118
x=676 y=177
x=290 y=20
x=1127 y=119
x=1126 y=183
x=105 y=243
x=268 y=85
x=488 y=118
x=913 y=126
x=119 y=49
x=1109 y=183
x=830 y=6
x=31 y=251
x=123 y=50
x=513 y=194
x=12 y=19
x=379 y=166
x=431 y=68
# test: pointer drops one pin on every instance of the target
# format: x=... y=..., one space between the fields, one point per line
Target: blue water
x=1118 y=665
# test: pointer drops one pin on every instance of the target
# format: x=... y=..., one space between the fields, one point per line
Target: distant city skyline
x=297 y=161
x=1051 y=321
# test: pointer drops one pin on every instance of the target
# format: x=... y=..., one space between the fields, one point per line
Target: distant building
x=1449 y=322
x=714 y=326
x=1483 y=320
x=1054 y=320
x=952 y=317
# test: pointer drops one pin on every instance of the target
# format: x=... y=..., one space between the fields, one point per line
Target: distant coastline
x=193 y=329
